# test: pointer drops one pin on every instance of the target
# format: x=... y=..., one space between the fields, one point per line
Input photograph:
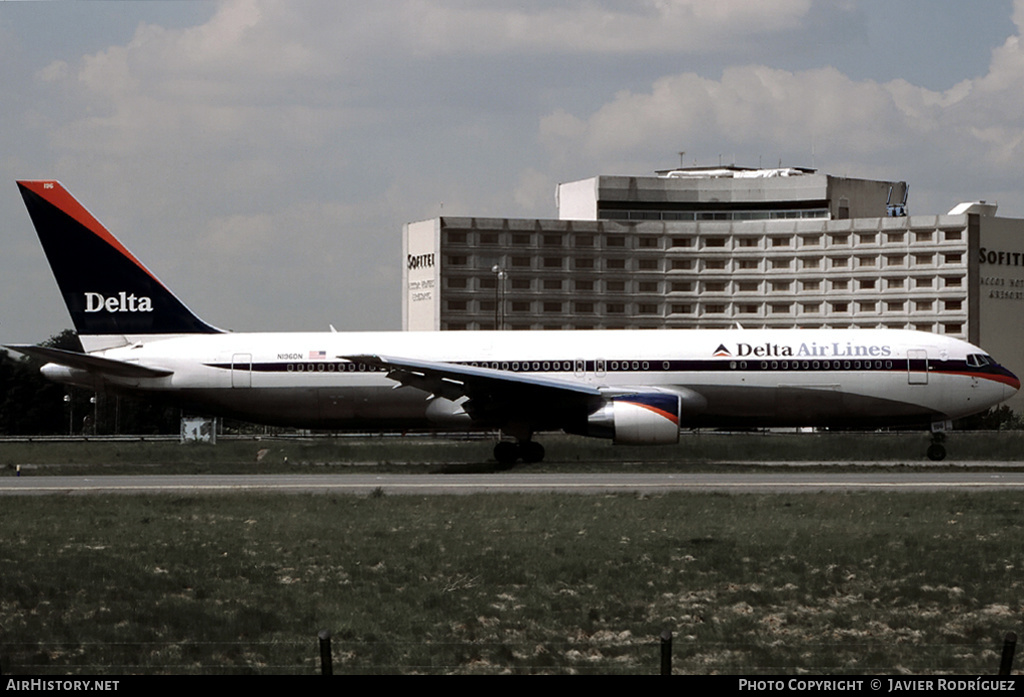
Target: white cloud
x=975 y=127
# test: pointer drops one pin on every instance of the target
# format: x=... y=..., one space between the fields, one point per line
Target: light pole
x=499 y=297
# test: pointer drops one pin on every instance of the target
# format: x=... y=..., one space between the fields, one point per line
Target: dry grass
x=854 y=583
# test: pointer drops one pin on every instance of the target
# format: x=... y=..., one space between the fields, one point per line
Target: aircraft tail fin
x=108 y=292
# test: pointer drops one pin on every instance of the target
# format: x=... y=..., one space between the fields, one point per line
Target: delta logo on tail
x=122 y=302
x=722 y=352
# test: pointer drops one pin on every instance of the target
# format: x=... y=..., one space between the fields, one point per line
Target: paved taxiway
x=519 y=482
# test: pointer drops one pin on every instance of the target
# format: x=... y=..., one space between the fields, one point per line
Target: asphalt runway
x=514 y=481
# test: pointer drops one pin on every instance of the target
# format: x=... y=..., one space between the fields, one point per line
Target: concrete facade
x=792 y=262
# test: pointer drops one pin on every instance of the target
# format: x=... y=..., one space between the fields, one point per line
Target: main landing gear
x=507 y=453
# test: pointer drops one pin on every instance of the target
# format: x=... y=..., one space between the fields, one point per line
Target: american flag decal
x=317 y=354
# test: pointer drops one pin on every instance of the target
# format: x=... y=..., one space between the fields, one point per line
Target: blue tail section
x=106 y=289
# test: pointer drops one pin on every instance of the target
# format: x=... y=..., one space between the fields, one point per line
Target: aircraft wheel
x=936 y=452
x=506 y=453
x=532 y=451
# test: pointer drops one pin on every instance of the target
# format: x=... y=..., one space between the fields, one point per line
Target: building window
x=649 y=242
x=953 y=305
x=865 y=261
x=894 y=237
x=748 y=309
x=521 y=262
x=840 y=307
x=550 y=306
x=781 y=241
x=583 y=263
x=552 y=240
x=457 y=260
x=811 y=308
x=615 y=241
x=647 y=309
x=781 y=286
x=584 y=285
x=647 y=264
x=521 y=239
x=867 y=284
x=922 y=237
x=616 y=264
x=840 y=285
x=867 y=237
x=615 y=308
x=486 y=282
x=952 y=236
x=552 y=284
x=583 y=241
x=521 y=306
x=552 y=262
x=520 y=284
x=615 y=286
x=457 y=305
x=894 y=260
x=682 y=241
x=781 y=263
x=748 y=286
x=680 y=309
x=894 y=306
x=952 y=281
x=810 y=240
x=648 y=287
x=867 y=307
x=682 y=286
x=922 y=283
x=714 y=242
x=715 y=264
x=714 y=287
x=840 y=262
x=923 y=305
x=811 y=285
x=456 y=237
x=714 y=309
x=457 y=283
x=952 y=258
x=839 y=239
x=922 y=259
x=583 y=307
x=682 y=264
x=747 y=264
x=488 y=238
x=779 y=309
x=749 y=242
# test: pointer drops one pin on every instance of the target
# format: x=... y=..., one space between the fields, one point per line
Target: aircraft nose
x=1011 y=383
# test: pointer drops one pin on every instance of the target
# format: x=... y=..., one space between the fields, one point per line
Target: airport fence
x=616 y=654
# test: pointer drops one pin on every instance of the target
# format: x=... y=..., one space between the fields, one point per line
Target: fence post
x=1009 y=644
x=325 y=652
x=666 y=652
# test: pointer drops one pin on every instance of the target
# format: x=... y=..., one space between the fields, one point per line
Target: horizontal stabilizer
x=92 y=364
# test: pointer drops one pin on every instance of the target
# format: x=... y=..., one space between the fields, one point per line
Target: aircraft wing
x=92 y=364
x=494 y=396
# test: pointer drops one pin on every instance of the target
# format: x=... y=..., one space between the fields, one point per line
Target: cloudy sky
x=261 y=156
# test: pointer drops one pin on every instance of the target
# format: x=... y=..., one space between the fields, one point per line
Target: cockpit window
x=978 y=360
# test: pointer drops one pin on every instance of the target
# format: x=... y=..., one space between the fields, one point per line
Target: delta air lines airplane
x=636 y=387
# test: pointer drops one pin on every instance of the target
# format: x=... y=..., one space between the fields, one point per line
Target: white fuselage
x=743 y=378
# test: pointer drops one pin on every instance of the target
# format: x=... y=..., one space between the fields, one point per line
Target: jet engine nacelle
x=638 y=419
